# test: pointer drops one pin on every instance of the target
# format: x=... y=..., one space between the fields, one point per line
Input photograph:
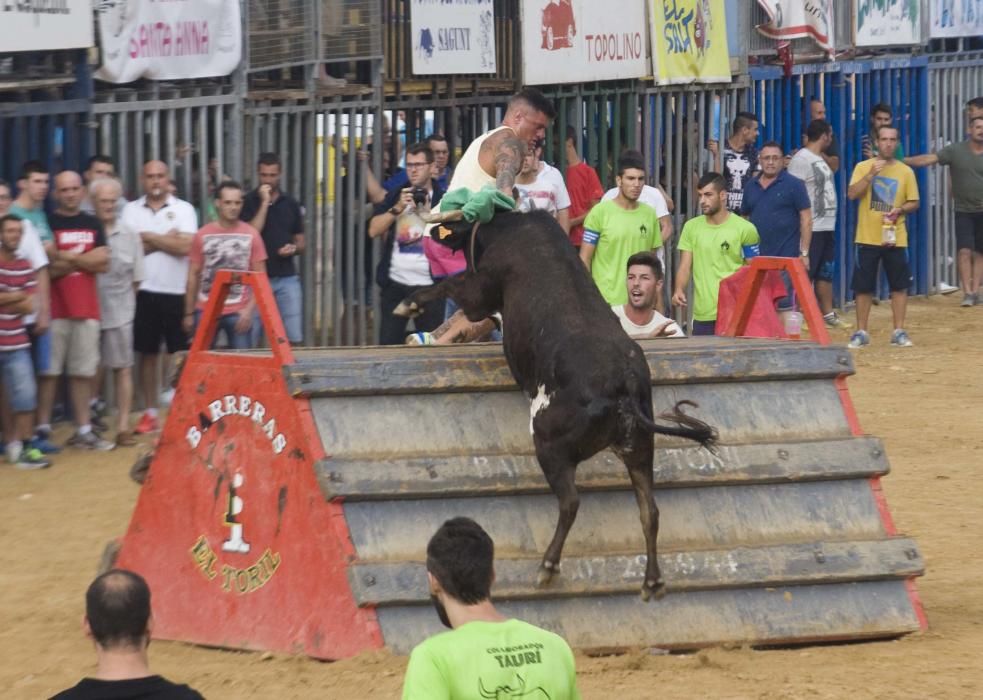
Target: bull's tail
x=684 y=426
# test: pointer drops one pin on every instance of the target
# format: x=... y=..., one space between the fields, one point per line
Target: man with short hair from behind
x=831 y=151
x=480 y=657
x=279 y=218
x=638 y=316
x=119 y=621
x=226 y=244
x=78 y=254
x=166 y=226
x=618 y=228
x=117 y=303
x=711 y=247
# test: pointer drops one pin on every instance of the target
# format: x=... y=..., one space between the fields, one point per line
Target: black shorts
x=822 y=255
x=969 y=231
x=896 y=268
x=158 y=319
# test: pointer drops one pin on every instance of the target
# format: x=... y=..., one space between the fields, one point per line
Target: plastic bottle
x=889 y=230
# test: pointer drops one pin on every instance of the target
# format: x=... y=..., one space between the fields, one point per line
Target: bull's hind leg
x=560 y=472
x=638 y=459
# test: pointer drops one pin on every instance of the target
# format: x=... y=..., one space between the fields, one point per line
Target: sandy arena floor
x=926 y=402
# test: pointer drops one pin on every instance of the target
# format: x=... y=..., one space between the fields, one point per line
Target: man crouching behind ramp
x=588 y=382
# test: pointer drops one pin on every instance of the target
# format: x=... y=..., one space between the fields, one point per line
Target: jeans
x=227 y=324
x=289 y=300
x=17 y=373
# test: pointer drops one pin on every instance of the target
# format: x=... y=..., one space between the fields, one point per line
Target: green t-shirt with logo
x=618 y=234
x=38 y=219
x=492 y=660
x=718 y=252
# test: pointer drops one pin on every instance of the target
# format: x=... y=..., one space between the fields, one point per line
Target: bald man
x=77 y=253
x=166 y=226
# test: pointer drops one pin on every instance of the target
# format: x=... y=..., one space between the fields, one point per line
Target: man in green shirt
x=965 y=160
x=711 y=247
x=618 y=228
x=32 y=187
x=485 y=655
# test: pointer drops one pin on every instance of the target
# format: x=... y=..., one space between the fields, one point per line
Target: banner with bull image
x=168 y=40
x=35 y=26
x=798 y=19
x=574 y=41
x=887 y=22
x=689 y=41
x=453 y=36
x=955 y=18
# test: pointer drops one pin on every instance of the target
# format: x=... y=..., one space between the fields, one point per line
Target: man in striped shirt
x=17 y=287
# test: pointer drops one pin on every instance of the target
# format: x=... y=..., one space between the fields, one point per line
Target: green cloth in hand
x=478 y=206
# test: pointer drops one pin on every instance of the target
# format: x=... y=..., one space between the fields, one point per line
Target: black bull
x=588 y=382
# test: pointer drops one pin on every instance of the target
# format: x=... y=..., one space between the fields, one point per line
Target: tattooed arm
x=509 y=152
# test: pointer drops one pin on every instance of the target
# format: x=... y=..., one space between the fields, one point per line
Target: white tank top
x=468 y=171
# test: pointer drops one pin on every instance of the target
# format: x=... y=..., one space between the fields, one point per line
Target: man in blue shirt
x=778 y=205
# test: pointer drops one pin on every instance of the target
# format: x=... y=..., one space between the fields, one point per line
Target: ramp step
x=759 y=616
x=395 y=583
x=706 y=517
x=353 y=371
x=442 y=477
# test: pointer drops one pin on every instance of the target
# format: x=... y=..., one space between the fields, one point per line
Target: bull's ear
x=443 y=232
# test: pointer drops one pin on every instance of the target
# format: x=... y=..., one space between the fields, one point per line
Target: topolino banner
x=689 y=41
x=955 y=18
x=573 y=41
x=168 y=40
x=453 y=36
x=880 y=23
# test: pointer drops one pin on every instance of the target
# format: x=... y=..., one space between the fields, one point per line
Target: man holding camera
x=404 y=268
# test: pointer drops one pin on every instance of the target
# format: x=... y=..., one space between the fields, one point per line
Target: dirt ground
x=926 y=402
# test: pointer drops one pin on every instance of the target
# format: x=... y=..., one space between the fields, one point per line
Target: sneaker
x=147 y=424
x=968 y=300
x=833 y=320
x=901 y=339
x=89 y=441
x=859 y=339
x=946 y=288
x=42 y=441
x=167 y=397
x=31 y=458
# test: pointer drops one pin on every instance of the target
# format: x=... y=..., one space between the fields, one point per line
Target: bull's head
x=451 y=229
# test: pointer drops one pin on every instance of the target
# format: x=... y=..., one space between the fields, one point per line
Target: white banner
x=573 y=41
x=953 y=18
x=168 y=40
x=880 y=23
x=45 y=26
x=798 y=19
x=453 y=36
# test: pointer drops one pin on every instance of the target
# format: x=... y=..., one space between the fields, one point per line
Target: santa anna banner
x=453 y=36
x=573 y=41
x=689 y=41
x=168 y=40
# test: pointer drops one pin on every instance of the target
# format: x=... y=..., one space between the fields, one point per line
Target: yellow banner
x=689 y=41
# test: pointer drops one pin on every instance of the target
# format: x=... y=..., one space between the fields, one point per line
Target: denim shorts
x=17 y=374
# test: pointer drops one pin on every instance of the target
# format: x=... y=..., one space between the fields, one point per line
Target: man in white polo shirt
x=166 y=226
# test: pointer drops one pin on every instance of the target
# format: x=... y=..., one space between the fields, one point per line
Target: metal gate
x=953 y=80
x=50 y=132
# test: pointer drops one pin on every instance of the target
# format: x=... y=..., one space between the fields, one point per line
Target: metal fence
x=953 y=79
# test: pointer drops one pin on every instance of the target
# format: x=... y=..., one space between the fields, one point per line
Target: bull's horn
x=443 y=217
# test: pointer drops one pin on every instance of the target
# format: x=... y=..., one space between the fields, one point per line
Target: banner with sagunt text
x=880 y=23
x=575 y=41
x=689 y=41
x=453 y=36
x=34 y=26
x=799 y=19
x=955 y=18
x=168 y=40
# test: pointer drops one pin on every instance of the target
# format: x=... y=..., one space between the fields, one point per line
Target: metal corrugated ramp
x=781 y=537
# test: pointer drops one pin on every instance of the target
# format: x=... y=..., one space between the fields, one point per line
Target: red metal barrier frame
x=231 y=529
x=817 y=329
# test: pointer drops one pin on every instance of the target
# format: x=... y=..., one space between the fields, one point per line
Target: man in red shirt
x=226 y=244
x=583 y=186
x=77 y=253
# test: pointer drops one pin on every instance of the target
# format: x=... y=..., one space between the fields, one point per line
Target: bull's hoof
x=547 y=570
x=407 y=309
x=653 y=589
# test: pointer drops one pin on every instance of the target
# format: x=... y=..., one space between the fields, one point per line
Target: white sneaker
x=166 y=397
x=946 y=288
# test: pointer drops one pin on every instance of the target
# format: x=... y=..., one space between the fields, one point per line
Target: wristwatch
x=804 y=253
